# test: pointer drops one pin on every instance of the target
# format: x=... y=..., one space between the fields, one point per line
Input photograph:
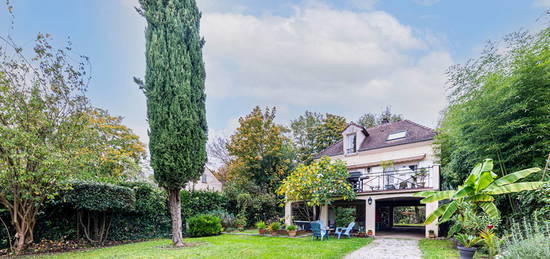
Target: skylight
x=397 y=135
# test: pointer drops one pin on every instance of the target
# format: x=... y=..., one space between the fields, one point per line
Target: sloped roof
x=377 y=137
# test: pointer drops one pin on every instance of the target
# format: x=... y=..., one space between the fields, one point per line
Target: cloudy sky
x=345 y=57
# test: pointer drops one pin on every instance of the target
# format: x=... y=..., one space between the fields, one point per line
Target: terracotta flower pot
x=292 y=233
x=369 y=233
x=261 y=231
x=466 y=252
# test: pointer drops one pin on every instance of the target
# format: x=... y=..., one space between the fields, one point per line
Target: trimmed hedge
x=138 y=211
x=204 y=225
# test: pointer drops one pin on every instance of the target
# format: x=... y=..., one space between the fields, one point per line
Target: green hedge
x=139 y=211
x=204 y=225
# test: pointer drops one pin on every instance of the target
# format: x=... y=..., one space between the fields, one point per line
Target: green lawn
x=227 y=246
x=435 y=249
x=408 y=225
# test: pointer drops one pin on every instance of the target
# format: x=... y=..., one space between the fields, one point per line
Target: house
x=387 y=164
x=207 y=182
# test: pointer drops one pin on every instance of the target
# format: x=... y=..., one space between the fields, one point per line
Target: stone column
x=431 y=207
x=323 y=217
x=288 y=213
x=370 y=216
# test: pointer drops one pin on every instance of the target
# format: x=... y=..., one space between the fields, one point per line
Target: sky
x=345 y=57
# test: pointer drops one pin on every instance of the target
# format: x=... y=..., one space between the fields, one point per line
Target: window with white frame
x=351 y=140
x=203 y=178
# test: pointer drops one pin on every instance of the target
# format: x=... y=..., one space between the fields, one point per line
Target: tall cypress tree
x=174 y=87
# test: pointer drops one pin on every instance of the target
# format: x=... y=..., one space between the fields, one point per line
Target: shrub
x=228 y=220
x=274 y=226
x=241 y=222
x=261 y=225
x=99 y=197
x=291 y=227
x=204 y=225
x=526 y=240
x=344 y=216
x=201 y=202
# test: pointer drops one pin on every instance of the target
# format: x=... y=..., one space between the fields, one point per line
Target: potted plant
x=291 y=230
x=370 y=233
x=261 y=227
x=240 y=222
x=274 y=227
x=467 y=245
x=431 y=234
x=361 y=234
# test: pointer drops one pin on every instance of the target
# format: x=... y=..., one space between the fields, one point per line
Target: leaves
x=514 y=177
x=438 y=196
x=491 y=209
x=514 y=187
x=318 y=183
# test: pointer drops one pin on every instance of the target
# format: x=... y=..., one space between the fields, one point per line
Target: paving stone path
x=388 y=248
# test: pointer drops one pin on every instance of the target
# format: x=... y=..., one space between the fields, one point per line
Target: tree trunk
x=175 y=212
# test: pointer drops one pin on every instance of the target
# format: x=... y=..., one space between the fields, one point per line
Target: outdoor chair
x=346 y=231
x=318 y=230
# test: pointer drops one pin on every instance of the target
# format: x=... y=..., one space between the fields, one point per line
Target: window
x=397 y=135
x=203 y=178
x=351 y=143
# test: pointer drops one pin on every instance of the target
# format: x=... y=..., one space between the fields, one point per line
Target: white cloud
x=363 y=4
x=321 y=58
x=542 y=3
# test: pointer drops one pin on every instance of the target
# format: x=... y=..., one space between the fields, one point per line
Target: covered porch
x=396 y=214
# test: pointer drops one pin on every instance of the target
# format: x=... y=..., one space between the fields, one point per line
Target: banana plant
x=480 y=186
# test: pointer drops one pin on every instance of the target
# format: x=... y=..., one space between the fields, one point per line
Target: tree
x=174 y=88
x=369 y=120
x=303 y=134
x=111 y=151
x=329 y=131
x=42 y=127
x=478 y=190
x=318 y=183
x=499 y=105
x=261 y=153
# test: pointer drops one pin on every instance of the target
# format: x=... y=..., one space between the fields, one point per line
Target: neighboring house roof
x=377 y=137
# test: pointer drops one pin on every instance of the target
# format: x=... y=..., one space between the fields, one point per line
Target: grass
x=408 y=225
x=248 y=231
x=434 y=249
x=226 y=246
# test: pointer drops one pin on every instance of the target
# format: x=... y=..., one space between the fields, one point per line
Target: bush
x=261 y=225
x=99 y=197
x=344 y=216
x=149 y=219
x=201 y=202
x=204 y=225
x=274 y=226
x=291 y=227
x=526 y=240
x=228 y=220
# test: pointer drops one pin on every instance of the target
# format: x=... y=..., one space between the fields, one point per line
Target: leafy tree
x=174 y=87
x=261 y=153
x=112 y=152
x=499 y=105
x=304 y=137
x=369 y=120
x=318 y=183
x=329 y=131
x=42 y=122
x=478 y=190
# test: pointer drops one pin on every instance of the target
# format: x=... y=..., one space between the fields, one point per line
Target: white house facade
x=387 y=165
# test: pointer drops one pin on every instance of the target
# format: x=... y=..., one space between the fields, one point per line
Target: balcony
x=402 y=179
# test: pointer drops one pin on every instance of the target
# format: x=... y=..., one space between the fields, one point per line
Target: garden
x=73 y=181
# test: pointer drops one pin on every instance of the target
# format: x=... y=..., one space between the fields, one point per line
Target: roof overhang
x=395 y=161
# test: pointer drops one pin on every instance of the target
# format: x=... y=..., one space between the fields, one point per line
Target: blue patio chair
x=339 y=231
x=318 y=230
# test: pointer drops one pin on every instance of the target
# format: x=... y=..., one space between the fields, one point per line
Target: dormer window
x=397 y=135
x=352 y=141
